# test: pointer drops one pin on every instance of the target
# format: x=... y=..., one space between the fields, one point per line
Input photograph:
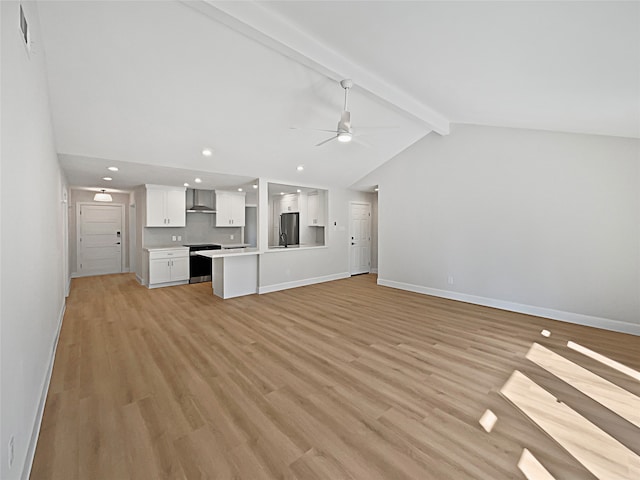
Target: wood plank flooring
x=342 y=380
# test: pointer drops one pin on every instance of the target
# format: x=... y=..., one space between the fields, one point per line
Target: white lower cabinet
x=168 y=266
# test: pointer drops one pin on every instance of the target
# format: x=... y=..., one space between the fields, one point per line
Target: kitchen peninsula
x=235 y=271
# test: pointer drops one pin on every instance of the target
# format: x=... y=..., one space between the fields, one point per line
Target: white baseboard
x=33 y=441
x=569 y=317
x=302 y=283
x=168 y=284
x=374 y=270
x=140 y=281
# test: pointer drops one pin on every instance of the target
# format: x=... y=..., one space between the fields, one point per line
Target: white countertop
x=230 y=252
x=310 y=246
x=232 y=245
x=171 y=247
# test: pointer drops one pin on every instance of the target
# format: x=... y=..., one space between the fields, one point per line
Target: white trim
x=33 y=441
x=302 y=283
x=68 y=287
x=569 y=317
x=374 y=270
x=140 y=281
x=167 y=284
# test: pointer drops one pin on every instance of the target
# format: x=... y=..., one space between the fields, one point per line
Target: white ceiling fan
x=344 y=132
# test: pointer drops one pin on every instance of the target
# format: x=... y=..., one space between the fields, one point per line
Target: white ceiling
x=149 y=84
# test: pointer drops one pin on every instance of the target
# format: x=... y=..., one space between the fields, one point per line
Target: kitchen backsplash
x=199 y=229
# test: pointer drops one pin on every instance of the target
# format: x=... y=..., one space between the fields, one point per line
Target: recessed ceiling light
x=198 y=180
x=207 y=152
x=239 y=189
x=255 y=185
x=113 y=169
x=281 y=193
x=108 y=179
x=300 y=168
x=299 y=191
x=186 y=184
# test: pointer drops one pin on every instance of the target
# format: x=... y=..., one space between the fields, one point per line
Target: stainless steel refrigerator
x=289 y=229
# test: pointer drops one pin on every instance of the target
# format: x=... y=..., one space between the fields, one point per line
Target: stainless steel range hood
x=199 y=204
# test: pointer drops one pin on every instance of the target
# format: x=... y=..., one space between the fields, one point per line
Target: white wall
x=32 y=293
x=286 y=268
x=546 y=223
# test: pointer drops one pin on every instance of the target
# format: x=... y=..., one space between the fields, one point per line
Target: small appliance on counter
x=200 y=267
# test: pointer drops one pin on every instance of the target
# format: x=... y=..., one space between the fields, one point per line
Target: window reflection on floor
x=594 y=448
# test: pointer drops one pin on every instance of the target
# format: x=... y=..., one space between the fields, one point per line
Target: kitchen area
x=193 y=235
x=184 y=233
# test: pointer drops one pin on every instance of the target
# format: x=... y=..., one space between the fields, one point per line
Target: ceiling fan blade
x=359 y=141
x=326 y=141
x=358 y=129
x=313 y=129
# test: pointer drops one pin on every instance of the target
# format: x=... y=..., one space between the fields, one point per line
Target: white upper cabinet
x=289 y=203
x=166 y=206
x=230 y=209
x=316 y=209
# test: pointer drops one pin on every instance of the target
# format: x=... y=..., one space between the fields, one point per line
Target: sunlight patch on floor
x=488 y=420
x=607 y=394
x=605 y=360
x=600 y=453
x=532 y=468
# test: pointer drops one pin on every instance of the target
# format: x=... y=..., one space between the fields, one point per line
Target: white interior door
x=99 y=239
x=360 y=237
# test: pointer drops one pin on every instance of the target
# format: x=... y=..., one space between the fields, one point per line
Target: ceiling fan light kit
x=344 y=137
x=343 y=133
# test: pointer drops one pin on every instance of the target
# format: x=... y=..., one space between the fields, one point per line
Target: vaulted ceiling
x=153 y=83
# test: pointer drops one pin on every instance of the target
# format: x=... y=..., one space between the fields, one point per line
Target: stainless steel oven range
x=200 y=267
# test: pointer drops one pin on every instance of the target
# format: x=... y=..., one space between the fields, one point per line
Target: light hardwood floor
x=339 y=380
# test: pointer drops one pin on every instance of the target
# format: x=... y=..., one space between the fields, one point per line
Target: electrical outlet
x=231 y=237
x=179 y=238
x=11 y=451
x=450 y=280
x=173 y=238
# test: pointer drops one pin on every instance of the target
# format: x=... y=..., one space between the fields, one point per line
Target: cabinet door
x=312 y=210
x=321 y=212
x=179 y=269
x=315 y=210
x=176 y=208
x=159 y=271
x=230 y=209
x=238 y=215
x=156 y=208
x=223 y=210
